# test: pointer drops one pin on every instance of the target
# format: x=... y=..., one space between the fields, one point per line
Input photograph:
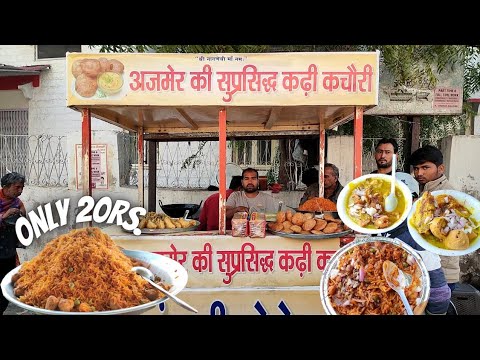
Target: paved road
x=15 y=310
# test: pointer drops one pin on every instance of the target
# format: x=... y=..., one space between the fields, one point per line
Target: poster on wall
x=445 y=97
x=99 y=166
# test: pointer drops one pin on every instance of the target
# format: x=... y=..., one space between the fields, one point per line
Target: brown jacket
x=450 y=264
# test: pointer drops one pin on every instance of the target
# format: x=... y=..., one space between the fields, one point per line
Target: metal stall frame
x=182 y=97
x=325 y=91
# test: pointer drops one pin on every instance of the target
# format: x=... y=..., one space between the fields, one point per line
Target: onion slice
x=361 y=273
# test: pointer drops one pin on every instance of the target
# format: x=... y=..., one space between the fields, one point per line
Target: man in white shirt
x=250 y=199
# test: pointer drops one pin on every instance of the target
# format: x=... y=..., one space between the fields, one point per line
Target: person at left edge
x=10 y=205
x=209 y=214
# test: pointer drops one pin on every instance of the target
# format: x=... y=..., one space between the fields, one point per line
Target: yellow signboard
x=235 y=275
x=229 y=79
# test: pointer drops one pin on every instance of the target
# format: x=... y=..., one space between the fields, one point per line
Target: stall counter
x=240 y=275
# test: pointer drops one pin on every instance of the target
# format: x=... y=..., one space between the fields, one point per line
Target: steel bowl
x=165 y=268
x=333 y=262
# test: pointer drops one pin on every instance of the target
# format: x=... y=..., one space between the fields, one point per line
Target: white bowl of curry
x=361 y=204
x=446 y=222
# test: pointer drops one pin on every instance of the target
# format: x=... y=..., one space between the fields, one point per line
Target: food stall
x=185 y=97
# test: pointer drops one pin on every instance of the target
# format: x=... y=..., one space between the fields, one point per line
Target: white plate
x=470 y=203
x=342 y=204
x=333 y=261
x=169 y=270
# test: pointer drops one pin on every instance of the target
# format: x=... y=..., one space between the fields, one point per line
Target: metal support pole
x=87 y=155
x=141 y=200
x=222 y=151
x=152 y=176
x=321 y=158
x=357 y=142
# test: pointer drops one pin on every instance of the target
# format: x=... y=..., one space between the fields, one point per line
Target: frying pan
x=178 y=210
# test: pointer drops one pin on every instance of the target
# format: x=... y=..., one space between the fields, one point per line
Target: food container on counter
x=240 y=224
x=365 y=286
x=257 y=225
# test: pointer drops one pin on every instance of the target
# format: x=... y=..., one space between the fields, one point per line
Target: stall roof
x=179 y=96
x=11 y=77
x=201 y=122
x=9 y=70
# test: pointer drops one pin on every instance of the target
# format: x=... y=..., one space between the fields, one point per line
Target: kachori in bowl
x=446 y=222
x=361 y=204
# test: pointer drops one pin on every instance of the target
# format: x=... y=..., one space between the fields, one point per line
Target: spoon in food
x=391 y=201
x=280 y=204
x=397 y=280
x=148 y=275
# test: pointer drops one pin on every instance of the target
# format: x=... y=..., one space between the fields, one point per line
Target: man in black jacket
x=384 y=155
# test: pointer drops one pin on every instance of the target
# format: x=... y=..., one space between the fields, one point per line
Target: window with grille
x=264 y=152
x=254 y=153
x=13 y=141
x=56 y=51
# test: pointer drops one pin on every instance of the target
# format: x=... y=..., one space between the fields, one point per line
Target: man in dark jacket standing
x=384 y=155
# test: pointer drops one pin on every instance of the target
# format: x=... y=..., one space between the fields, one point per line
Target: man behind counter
x=331 y=185
x=250 y=199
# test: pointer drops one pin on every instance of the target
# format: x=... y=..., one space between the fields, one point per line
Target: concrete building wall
x=12 y=100
x=476 y=123
x=461 y=156
x=340 y=153
x=17 y=55
x=98 y=137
